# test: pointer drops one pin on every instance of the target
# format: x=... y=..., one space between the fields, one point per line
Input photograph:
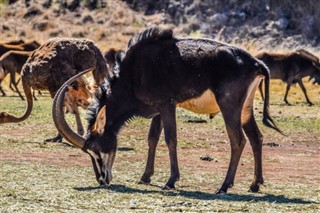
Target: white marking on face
x=106 y=167
x=96 y=158
x=107 y=163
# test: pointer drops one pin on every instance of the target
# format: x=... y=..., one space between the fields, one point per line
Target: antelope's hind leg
x=231 y=99
x=237 y=143
x=255 y=137
x=304 y=92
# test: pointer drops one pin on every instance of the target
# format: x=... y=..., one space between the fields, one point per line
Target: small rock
x=32 y=11
x=22 y=33
x=55 y=33
x=271 y=144
x=206 y=158
x=5 y=27
x=78 y=34
x=41 y=26
x=87 y=19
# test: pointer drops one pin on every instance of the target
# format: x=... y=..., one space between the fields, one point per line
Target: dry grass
x=37 y=176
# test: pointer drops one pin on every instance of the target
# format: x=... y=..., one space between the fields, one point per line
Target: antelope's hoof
x=145 y=179
x=254 y=188
x=220 y=192
x=57 y=139
x=144 y=182
x=166 y=187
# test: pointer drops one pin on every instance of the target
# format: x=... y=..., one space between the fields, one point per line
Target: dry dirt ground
x=56 y=177
x=298 y=162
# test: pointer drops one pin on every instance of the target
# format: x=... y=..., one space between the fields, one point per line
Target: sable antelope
x=51 y=65
x=291 y=68
x=157 y=72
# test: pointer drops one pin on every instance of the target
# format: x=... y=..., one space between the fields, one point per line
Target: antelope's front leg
x=168 y=117
x=153 y=139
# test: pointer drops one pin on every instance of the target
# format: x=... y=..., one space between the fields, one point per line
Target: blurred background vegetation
x=251 y=24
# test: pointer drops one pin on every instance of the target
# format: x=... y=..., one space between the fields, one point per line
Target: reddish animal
x=15 y=42
x=11 y=63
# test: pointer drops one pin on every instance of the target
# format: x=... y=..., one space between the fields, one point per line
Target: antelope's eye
x=80 y=101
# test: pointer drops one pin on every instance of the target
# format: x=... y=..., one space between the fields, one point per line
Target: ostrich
x=54 y=62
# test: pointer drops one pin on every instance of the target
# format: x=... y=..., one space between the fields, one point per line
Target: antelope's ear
x=317 y=65
x=100 y=121
x=119 y=56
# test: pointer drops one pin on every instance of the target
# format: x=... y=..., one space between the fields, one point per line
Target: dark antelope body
x=291 y=68
x=157 y=72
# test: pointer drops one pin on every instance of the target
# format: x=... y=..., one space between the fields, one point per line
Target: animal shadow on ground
x=125 y=149
x=198 y=195
x=66 y=144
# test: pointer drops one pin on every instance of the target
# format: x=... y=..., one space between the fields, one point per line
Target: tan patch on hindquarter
x=205 y=104
x=248 y=103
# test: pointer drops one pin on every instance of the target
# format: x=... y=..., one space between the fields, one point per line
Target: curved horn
x=58 y=114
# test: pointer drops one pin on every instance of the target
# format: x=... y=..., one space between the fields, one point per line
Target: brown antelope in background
x=291 y=68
